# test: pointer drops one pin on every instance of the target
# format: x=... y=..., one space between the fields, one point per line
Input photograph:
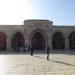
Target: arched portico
x=17 y=41
x=72 y=40
x=38 y=39
x=2 y=41
x=58 y=41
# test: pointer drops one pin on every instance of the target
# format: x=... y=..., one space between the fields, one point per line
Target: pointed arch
x=2 y=41
x=38 y=39
x=58 y=40
x=17 y=41
x=72 y=40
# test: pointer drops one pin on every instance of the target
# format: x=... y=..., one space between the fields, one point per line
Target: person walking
x=48 y=49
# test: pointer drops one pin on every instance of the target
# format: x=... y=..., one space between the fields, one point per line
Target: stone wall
x=32 y=26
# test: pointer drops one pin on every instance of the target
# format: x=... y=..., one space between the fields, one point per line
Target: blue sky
x=61 y=12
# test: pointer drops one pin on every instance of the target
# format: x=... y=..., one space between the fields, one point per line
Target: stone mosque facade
x=39 y=34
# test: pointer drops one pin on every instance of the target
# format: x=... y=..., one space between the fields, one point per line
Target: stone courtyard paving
x=25 y=64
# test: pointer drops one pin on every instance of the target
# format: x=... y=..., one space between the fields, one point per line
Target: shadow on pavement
x=56 y=61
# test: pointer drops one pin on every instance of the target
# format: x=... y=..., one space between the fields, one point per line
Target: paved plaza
x=59 y=63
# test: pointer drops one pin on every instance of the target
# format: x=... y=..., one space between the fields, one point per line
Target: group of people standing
x=47 y=51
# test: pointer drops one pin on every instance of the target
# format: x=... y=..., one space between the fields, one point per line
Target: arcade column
x=50 y=43
x=27 y=42
x=8 y=44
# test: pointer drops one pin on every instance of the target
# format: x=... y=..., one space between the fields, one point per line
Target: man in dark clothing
x=31 y=51
x=48 y=49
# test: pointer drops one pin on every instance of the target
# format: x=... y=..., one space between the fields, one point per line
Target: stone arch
x=2 y=40
x=17 y=41
x=72 y=40
x=15 y=31
x=38 y=39
x=58 y=40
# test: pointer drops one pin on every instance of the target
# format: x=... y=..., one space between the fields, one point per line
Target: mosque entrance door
x=38 y=41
